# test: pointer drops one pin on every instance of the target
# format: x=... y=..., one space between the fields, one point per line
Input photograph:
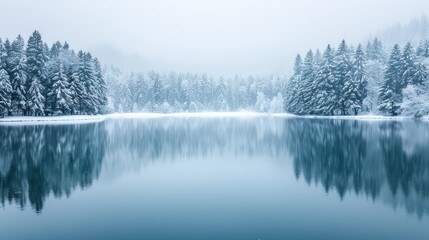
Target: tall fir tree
x=390 y=93
x=87 y=77
x=60 y=96
x=408 y=66
x=359 y=81
x=292 y=99
x=100 y=84
x=325 y=96
x=18 y=74
x=307 y=85
x=343 y=76
x=5 y=92
x=77 y=90
x=37 y=84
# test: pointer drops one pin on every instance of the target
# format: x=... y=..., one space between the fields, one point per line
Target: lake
x=215 y=178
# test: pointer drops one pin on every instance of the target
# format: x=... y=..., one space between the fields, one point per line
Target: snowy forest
x=347 y=81
x=38 y=80
x=341 y=81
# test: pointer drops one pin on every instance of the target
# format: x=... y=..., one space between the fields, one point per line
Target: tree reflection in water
x=386 y=161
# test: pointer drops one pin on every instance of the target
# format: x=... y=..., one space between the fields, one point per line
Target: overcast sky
x=214 y=36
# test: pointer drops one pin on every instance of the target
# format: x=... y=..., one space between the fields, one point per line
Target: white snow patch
x=30 y=120
x=360 y=117
x=185 y=115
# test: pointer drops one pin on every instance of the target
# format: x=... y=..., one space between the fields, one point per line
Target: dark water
x=215 y=178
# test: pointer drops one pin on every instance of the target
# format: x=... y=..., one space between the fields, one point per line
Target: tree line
x=37 y=80
x=347 y=81
x=175 y=92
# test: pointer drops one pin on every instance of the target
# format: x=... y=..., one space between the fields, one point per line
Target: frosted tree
x=390 y=93
x=292 y=87
x=222 y=94
x=408 y=65
x=307 y=87
x=325 y=98
x=277 y=104
x=262 y=103
x=18 y=74
x=355 y=90
x=343 y=76
x=5 y=92
x=87 y=77
x=38 y=83
x=156 y=90
x=101 y=86
x=35 y=100
x=77 y=91
x=60 y=96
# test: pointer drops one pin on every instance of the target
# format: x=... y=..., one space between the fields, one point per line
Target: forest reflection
x=385 y=161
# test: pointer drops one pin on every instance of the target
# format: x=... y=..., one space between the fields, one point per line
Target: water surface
x=215 y=178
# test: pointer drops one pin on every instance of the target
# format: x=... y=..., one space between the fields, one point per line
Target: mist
x=218 y=37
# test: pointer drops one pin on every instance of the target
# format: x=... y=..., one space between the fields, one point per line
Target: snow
x=185 y=115
x=81 y=119
x=74 y=119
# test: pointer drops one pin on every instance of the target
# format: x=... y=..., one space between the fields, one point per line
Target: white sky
x=214 y=36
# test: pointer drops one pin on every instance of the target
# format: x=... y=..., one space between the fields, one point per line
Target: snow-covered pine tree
x=37 y=83
x=356 y=90
x=378 y=51
x=222 y=94
x=408 y=65
x=420 y=74
x=77 y=90
x=390 y=93
x=87 y=78
x=60 y=96
x=343 y=76
x=5 y=92
x=156 y=90
x=292 y=88
x=35 y=100
x=18 y=74
x=101 y=86
x=307 y=88
x=325 y=98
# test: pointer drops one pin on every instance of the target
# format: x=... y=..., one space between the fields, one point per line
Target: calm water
x=215 y=178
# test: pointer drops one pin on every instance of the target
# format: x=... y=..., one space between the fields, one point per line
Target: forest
x=341 y=81
x=38 y=80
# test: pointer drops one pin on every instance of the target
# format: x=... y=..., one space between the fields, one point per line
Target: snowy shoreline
x=79 y=119
x=31 y=120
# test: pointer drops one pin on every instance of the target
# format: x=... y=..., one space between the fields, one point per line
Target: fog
x=218 y=37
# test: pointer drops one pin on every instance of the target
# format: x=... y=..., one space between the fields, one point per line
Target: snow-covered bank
x=30 y=120
x=185 y=115
x=81 y=119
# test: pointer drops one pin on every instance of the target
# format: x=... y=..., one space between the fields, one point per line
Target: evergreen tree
x=100 y=86
x=35 y=101
x=421 y=74
x=325 y=96
x=5 y=92
x=37 y=84
x=343 y=76
x=357 y=89
x=307 y=87
x=60 y=95
x=87 y=77
x=18 y=74
x=77 y=91
x=408 y=65
x=292 y=95
x=157 y=97
x=390 y=93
